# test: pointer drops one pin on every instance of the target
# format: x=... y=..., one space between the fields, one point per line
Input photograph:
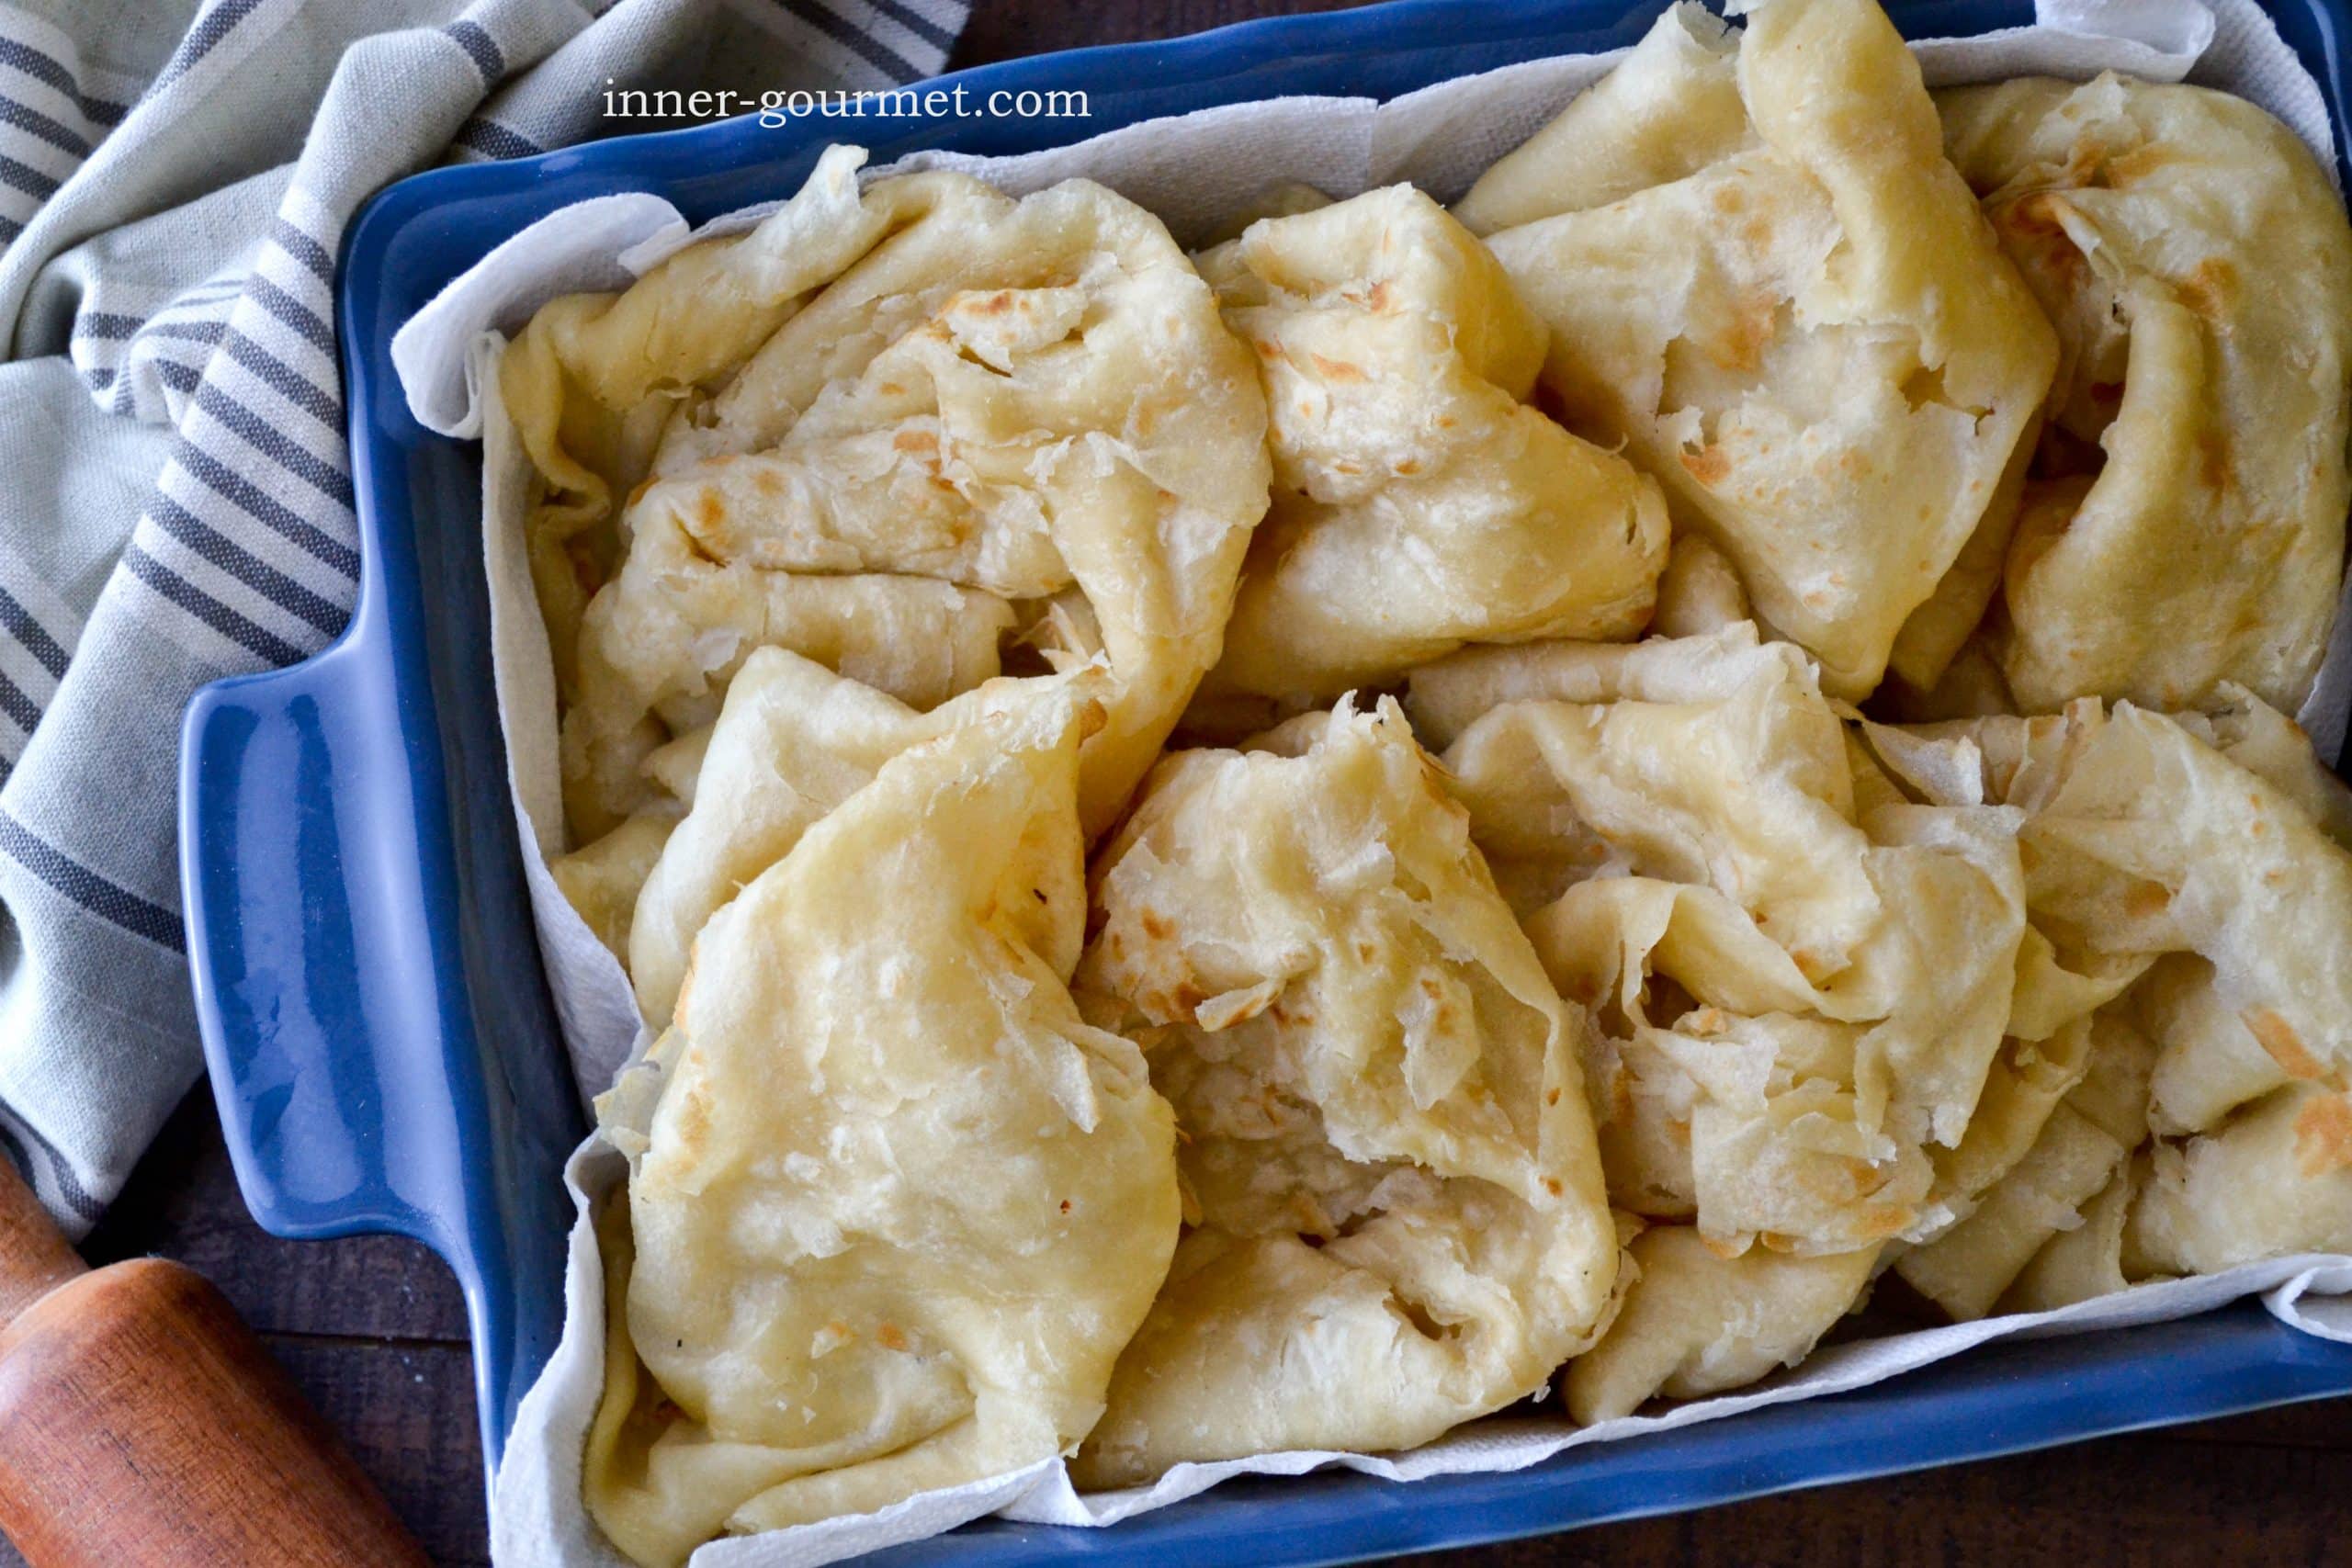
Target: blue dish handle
x=348 y=1021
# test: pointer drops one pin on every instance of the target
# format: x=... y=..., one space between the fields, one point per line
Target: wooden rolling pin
x=143 y=1426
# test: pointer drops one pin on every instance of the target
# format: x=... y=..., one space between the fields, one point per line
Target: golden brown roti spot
x=2213 y=465
x=2034 y=223
x=1617 y=1094
x=915 y=441
x=2083 y=162
x=2278 y=1037
x=710 y=509
x=2324 y=1136
x=2212 y=290
x=1709 y=465
x=1861 y=1174
x=1337 y=369
x=1811 y=966
x=1755 y=322
x=2138 y=163
x=892 y=1337
x=694 y=1114
x=2146 y=900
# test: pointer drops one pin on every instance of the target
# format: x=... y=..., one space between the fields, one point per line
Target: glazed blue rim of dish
x=380 y=1033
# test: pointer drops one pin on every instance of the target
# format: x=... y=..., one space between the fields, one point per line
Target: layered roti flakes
x=1419 y=503
x=1697 y=1323
x=1764 y=280
x=2187 y=857
x=824 y=1297
x=793 y=741
x=1394 y=1210
x=1001 y=419
x=1801 y=978
x=2185 y=525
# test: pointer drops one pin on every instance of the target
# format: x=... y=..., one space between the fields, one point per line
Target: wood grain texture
x=35 y=1257
x=373 y=1330
x=143 y=1426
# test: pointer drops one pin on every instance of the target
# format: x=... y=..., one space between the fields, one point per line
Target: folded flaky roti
x=2185 y=525
x=2145 y=837
x=1765 y=281
x=893 y=1207
x=793 y=741
x=604 y=878
x=1395 y=1219
x=2179 y=867
x=1700 y=590
x=917 y=424
x=2275 y=1178
x=1419 y=503
x=1697 y=1323
x=1801 y=978
x=2083 y=1142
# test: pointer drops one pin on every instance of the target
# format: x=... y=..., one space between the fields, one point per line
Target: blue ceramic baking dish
x=379 y=1034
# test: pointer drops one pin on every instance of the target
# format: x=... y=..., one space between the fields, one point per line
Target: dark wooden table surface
x=374 y=1330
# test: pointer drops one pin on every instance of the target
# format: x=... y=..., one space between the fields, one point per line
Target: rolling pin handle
x=143 y=1426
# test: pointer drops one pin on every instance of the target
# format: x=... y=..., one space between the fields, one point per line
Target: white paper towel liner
x=1192 y=170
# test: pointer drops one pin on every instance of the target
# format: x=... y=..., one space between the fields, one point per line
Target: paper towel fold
x=1193 y=170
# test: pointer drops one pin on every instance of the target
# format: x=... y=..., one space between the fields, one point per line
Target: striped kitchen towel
x=174 y=179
